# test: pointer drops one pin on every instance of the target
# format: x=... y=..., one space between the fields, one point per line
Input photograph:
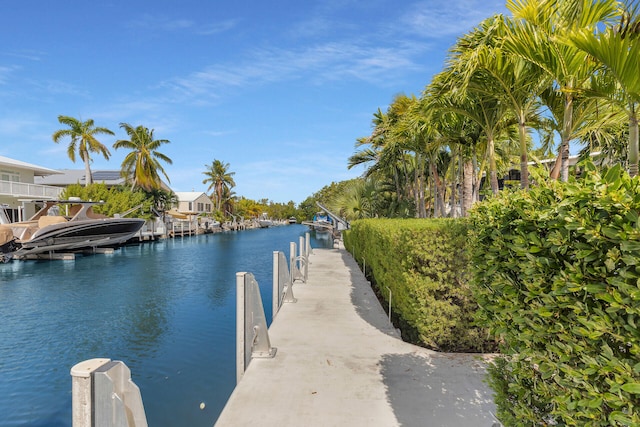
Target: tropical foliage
x=141 y=165
x=83 y=140
x=556 y=275
x=116 y=199
x=220 y=179
x=565 y=71
x=420 y=269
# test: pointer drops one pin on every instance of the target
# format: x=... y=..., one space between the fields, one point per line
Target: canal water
x=166 y=309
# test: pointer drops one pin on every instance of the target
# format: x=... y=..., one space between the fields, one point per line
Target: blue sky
x=279 y=89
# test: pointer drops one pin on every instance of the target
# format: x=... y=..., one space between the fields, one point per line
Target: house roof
x=37 y=170
x=109 y=177
x=189 y=196
x=77 y=176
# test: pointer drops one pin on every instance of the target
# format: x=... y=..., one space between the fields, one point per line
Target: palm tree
x=495 y=72
x=537 y=36
x=83 y=141
x=618 y=49
x=142 y=164
x=219 y=179
x=450 y=93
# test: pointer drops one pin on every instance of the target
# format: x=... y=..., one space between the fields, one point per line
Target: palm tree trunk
x=467 y=187
x=452 y=201
x=566 y=135
x=420 y=184
x=460 y=179
x=88 y=179
x=524 y=161
x=438 y=201
x=483 y=165
x=633 y=141
x=492 y=165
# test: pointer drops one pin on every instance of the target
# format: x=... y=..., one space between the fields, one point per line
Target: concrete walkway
x=340 y=363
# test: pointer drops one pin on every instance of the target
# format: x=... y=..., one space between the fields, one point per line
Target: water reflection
x=167 y=309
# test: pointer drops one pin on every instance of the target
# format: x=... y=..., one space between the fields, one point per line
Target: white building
x=17 y=183
x=193 y=202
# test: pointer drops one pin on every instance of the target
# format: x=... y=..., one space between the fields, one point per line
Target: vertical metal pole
x=390 y=296
x=302 y=247
x=81 y=391
x=240 y=349
x=276 y=286
x=308 y=238
x=292 y=261
x=303 y=258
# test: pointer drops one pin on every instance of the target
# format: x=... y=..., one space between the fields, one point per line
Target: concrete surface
x=340 y=363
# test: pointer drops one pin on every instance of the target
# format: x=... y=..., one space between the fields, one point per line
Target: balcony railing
x=23 y=189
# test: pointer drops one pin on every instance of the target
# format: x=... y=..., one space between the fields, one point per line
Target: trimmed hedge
x=424 y=263
x=557 y=273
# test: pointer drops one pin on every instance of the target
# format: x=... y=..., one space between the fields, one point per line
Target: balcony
x=32 y=191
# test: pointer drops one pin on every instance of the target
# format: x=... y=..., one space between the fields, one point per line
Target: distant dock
x=339 y=362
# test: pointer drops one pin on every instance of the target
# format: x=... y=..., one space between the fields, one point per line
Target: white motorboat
x=48 y=231
x=264 y=221
x=322 y=223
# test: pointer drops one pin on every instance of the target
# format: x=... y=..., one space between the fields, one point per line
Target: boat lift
x=341 y=223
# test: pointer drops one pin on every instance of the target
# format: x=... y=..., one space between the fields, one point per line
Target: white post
x=81 y=390
x=276 y=286
x=240 y=323
x=308 y=239
x=304 y=257
x=292 y=260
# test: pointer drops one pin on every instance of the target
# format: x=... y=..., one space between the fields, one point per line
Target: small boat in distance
x=293 y=220
x=48 y=231
x=322 y=223
x=264 y=221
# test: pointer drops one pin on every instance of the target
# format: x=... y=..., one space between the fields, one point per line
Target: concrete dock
x=340 y=363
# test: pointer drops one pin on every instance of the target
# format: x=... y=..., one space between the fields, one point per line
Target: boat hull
x=81 y=235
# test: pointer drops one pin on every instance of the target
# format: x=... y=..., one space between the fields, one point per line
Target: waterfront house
x=18 y=182
x=193 y=203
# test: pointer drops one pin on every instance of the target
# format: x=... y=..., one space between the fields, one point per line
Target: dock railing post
x=275 y=303
x=252 y=335
x=103 y=395
x=294 y=263
x=304 y=258
x=82 y=390
x=282 y=285
x=308 y=239
x=241 y=359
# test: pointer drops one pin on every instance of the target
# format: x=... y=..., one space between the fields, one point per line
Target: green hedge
x=424 y=263
x=557 y=273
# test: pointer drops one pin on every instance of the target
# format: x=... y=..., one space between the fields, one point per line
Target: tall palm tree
x=618 y=49
x=142 y=164
x=450 y=93
x=537 y=34
x=83 y=140
x=219 y=179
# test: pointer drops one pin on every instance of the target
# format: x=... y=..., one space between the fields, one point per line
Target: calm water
x=166 y=309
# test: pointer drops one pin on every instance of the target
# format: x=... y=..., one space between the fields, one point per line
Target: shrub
x=557 y=272
x=424 y=264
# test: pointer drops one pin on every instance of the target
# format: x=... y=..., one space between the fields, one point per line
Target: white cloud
x=435 y=19
x=154 y=23
x=217 y=27
x=5 y=73
x=320 y=63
